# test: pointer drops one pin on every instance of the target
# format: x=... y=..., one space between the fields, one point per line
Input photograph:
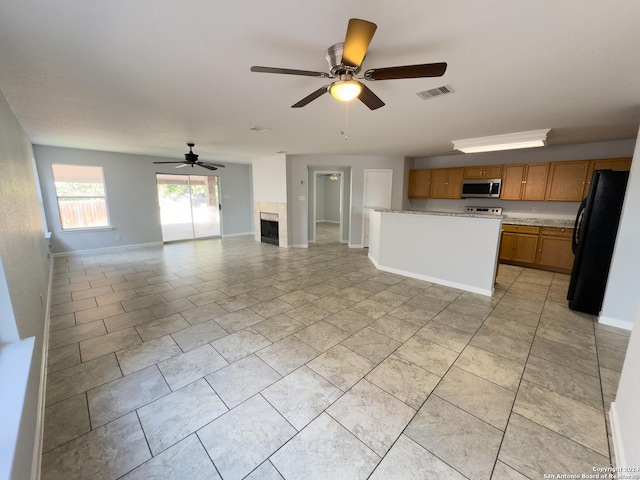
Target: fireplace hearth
x=269 y=231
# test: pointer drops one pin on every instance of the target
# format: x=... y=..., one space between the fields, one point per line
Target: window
x=82 y=201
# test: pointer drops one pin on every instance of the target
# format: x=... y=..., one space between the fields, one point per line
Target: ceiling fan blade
x=356 y=41
x=217 y=165
x=370 y=99
x=182 y=166
x=168 y=162
x=310 y=98
x=206 y=165
x=290 y=71
x=407 y=71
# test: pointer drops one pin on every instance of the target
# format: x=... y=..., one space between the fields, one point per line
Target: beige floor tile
x=534 y=451
x=287 y=354
x=395 y=328
x=129 y=319
x=575 y=420
x=406 y=381
x=242 y=379
x=479 y=397
x=461 y=440
x=240 y=344
x=65 y=421
x=71 y=335
x=321 y=335
x=106 y=453
x=109 y=343
x=177 y=415
x=119 y=397
x=147 y=353
x=325 y=449
x=241 y=440
x=80 y=378
x=188 y=367
x=574 y=358
x=187 y=459
x=192 y=337
x=495 y=368
x=341 y=366
x=430 y=356
x=409 y=461
x=371 y=414
x=301 y=396
x=63 y=357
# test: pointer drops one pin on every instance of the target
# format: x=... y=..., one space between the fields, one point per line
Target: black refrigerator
x=594 y=237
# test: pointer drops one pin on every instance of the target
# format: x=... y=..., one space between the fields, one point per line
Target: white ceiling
x=146 y=76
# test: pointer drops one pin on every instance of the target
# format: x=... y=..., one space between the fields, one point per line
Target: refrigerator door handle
x=577 y=225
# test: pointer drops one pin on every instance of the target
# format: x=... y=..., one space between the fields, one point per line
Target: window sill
x=15 y=364
x=87 y=230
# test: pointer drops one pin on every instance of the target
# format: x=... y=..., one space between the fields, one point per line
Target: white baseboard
x=618 y=449
x=108 y=249
x=426 y=278
x=300 y=245
x=36 y=464
x=225 y=235
x=614 y=322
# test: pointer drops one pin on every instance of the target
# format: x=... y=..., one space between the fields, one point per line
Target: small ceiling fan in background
x=191 y=158
x=345 y=60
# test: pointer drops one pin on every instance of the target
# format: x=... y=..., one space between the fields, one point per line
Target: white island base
x=455 y=250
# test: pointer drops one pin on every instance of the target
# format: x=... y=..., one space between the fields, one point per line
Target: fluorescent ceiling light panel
x=509 y=141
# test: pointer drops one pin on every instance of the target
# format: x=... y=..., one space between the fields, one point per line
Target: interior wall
x=132 y=197
x=585 y=151
x=270 y=179
x=622 y=293
x=332 y=200
x=24 y=253
x=301 y=188
x=321 y=188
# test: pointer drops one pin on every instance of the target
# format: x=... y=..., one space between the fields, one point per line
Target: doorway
x=327 y=207
x=189 y=206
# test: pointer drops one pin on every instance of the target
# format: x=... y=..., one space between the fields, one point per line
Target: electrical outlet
x=117 y=237
x=534 y=209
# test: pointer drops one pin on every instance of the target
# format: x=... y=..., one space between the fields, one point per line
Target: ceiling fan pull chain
x=346 y=121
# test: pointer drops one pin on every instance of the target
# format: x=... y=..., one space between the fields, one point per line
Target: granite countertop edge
x=526 y=221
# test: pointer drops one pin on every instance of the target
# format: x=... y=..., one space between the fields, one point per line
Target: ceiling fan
x=191 y=158
x=345 y=60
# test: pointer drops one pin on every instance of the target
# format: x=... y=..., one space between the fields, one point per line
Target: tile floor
x=234 y=359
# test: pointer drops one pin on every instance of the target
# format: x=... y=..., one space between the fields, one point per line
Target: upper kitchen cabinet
x=446 y=182
x=524 y=182
x=566 y=181
x=620 y=164
x=483 y=171
x=419 y=183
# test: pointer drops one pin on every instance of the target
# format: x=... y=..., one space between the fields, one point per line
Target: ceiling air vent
x=434 y=92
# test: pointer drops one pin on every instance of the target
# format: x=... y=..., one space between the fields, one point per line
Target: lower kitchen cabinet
x=546 y=248
x=519 y=244
x=554 y=249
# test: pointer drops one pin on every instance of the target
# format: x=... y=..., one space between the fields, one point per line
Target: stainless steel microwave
x=484 y=188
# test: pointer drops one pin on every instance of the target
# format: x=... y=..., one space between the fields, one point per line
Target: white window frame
x=108 y=226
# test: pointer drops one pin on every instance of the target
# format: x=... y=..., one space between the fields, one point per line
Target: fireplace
x=269 y=232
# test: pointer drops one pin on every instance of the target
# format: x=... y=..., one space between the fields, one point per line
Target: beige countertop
x=539 y=222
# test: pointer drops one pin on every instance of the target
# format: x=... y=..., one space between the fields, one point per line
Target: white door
x=377 y=194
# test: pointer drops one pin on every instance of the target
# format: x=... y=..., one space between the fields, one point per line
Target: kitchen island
x=457 y=250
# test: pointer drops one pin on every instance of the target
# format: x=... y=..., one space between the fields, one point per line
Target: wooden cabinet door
x=535 y=182
x=454 y=182
x=620 y=164
x=419 y=183
x=439 y=179
x=526 y=247
x=507 y=244
x=566 y=181
x=513 y=176
x=492 y=171
x=473 y=173
x=555 y=252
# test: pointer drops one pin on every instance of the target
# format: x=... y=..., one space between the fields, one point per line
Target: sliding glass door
x=189 y=206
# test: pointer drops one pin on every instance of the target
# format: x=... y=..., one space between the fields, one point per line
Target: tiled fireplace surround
x=271 y=207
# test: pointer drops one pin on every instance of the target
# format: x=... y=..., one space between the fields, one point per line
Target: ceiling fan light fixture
x=334 y=176
x=345 y=90
x=509 y=141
